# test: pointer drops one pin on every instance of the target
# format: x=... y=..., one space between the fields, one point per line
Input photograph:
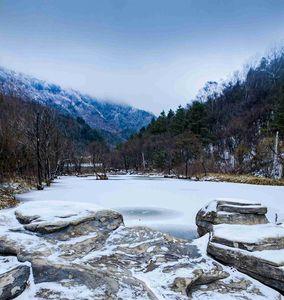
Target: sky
x=152 y=54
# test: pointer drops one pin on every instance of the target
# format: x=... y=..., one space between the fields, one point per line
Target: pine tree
x=178 y=123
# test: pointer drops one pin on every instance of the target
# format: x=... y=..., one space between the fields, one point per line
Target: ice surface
x=184 y=198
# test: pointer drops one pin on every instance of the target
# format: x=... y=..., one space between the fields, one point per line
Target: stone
x=243 y=209
x=257 y=250
x=14 y=282
x=91 y=277
x=94 y=256
x=242 y=237
x=186 y=285
x=63 y=221
x=229 y=212
x=249 y=237
x=250 y=264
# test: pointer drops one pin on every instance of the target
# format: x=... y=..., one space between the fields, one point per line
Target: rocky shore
x=80 y=251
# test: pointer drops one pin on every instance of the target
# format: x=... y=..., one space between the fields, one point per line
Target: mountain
x=116 y=122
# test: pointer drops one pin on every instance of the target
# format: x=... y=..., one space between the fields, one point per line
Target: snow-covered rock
x=222 y=211
x=14 y=278
x=111 y=262
x=75 y=218
x=255 y=249
x=267 y=265
x=251 y=238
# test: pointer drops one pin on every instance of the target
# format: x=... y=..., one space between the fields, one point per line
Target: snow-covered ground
x=166 y=204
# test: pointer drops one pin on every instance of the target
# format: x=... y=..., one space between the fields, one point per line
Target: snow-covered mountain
x=116 y=121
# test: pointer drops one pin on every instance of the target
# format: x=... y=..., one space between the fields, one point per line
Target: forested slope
x=229 y=127
x=36 y=141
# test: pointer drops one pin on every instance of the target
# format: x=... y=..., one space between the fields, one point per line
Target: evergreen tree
x=178 y=123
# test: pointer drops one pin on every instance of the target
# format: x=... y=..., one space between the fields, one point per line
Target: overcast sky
x=152 y=54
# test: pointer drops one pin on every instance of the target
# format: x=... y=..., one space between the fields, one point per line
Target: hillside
x=37 y=141
x=233 y=127
x=116 y=122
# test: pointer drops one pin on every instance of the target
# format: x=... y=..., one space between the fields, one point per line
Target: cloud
x=153 y=55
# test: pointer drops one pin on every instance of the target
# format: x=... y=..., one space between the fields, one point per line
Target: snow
x=57 y=210
x=272 y=256
x=102 y=112
x=212 y=206
x=8 y=263
x=201 y=243
x=64 y=289
x=234 y=200
x=169 y=203
x=248 y=233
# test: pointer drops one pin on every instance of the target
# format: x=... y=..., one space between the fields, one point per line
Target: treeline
x=237 y=127
x=37 y=142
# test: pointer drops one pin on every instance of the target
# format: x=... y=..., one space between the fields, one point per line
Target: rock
x=187 y=285
x=247 y=263
x=242 y=237
x=180 y=284
x=8 y=246
x=257 y=250
x=250 y=238
x=14 y=282
x=70 y=220
x=243 y=209
x=92 y=277
x=25 y=219
x=229 y=212
x=93 y=256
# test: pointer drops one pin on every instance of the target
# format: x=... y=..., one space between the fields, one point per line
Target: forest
x=36 y=142
x=231 y=127
x=234 y=127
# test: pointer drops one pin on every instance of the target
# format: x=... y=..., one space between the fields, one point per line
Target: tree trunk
x=186 y=169
x=39 y=167
x=143 y=161
x=276 y=167
x=204 y=168
x=125 y=163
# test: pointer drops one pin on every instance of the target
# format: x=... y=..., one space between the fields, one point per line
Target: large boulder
x=63 y=219
x=229 y=212
x=13 y=278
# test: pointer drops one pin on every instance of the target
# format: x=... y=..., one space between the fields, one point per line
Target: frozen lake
x=169 y=205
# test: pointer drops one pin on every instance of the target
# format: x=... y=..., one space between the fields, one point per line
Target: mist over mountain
x=116 y=122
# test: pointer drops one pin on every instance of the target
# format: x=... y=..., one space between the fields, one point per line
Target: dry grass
x=6 y=202
x=9 y=189
x=248 y=179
